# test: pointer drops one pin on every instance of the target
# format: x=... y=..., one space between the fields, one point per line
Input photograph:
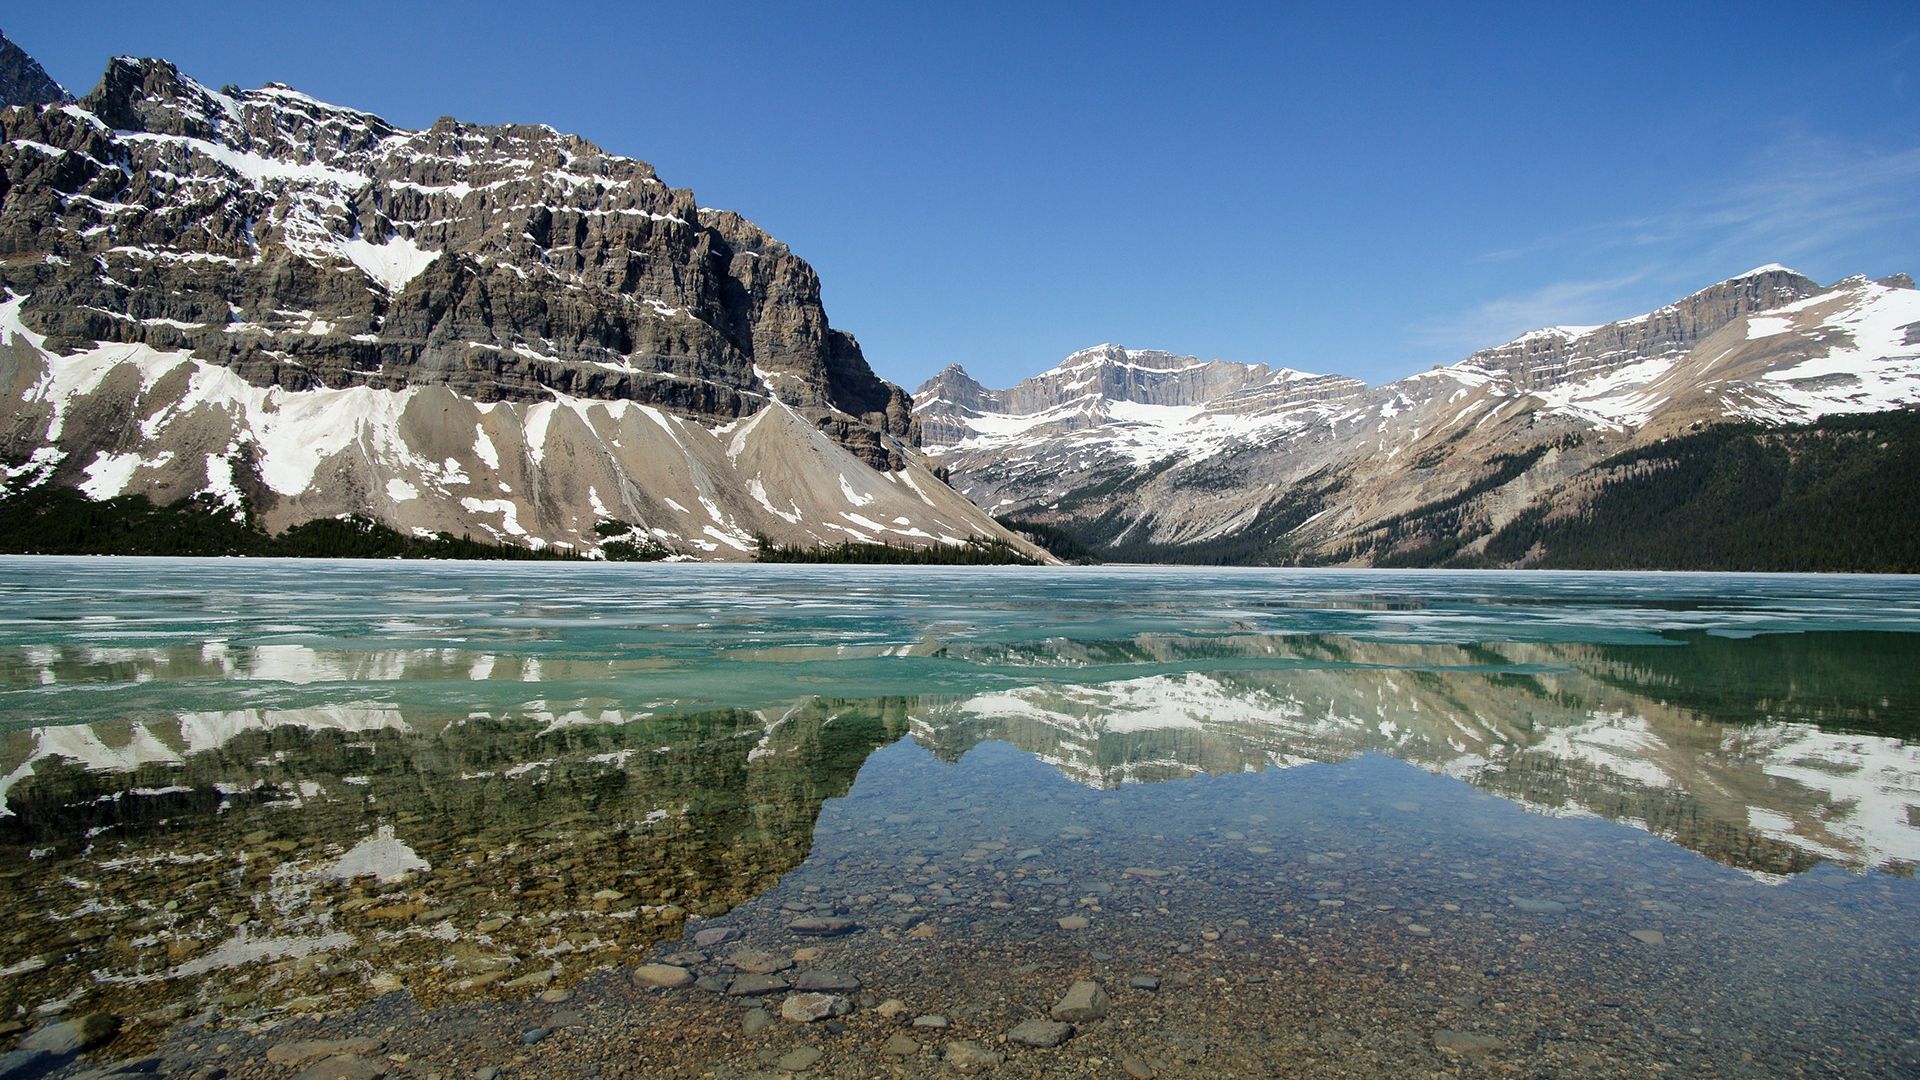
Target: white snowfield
x=1846 y=350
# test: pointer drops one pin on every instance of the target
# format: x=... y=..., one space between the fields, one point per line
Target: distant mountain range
x=230 y=316
x=282 y=311
x=1572 y=445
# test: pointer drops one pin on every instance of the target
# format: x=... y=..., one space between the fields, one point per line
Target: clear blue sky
x=1370 y=191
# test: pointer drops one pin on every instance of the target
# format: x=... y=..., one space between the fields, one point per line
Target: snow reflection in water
x=543 y=770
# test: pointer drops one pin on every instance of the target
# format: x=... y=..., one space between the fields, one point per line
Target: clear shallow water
x=1342 y=793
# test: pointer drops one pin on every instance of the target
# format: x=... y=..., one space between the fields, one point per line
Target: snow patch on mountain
x=1871 y=360
x=392 y=263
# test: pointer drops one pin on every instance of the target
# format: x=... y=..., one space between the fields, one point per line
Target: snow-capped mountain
x=295 y=310
x=1133 y=404
x=1154 y=455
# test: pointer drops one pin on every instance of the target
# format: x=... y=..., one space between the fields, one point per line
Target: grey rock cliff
x=299 y=310
x=1546 y=358
x=305 y=245
x=23 y=81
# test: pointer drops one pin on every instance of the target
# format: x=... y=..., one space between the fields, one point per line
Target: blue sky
x=1370 y=191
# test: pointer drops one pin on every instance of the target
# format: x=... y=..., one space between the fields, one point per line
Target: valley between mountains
x=236 y=313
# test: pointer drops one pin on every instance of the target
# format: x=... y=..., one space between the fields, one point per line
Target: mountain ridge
x=1325 y=469
x=23 y=81
x=296 y=310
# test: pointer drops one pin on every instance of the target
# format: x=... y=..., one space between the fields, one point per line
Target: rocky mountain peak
x=1111 y=407
x=1115 y=373
x=943 y=403
x=150 y=95
x=1545 y=358
x=23 y=81
x=284 y=310
x=307 y=244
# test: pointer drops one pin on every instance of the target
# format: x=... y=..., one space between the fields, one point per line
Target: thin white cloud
x=1558 y=304
x=1805 y=198
x=1803 y=195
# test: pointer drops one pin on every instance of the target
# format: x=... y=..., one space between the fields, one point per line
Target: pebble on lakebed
x=661 y=976
x=805 y=1008
x=966 y=1055
x=1084 y=1001
x=1042 y=1033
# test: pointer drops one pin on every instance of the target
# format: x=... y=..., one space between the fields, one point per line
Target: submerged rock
x=966 y=1055
x=800 y=1059
x=823 y=926
x=808 y=1007
x=715 y=935
x=1084 y=1001
x=829 y=981
x=1043 y=1033
x=1464 y=1042
x=661 y=976
x=756 y=985
x=899 y=1044
x=305 y=1050
x=759 y=962
x=343 y=1067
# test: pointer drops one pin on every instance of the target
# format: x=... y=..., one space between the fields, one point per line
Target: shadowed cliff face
x=307 y=245
x=22 y=80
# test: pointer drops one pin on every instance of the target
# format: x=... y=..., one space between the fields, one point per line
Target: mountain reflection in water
x=266 y=818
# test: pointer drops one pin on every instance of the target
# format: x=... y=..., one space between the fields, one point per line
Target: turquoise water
x=540 y=771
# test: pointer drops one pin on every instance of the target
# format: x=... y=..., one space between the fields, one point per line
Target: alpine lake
x=339 y=819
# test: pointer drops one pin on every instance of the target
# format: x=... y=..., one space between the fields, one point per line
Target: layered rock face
x=301 y=310
x=23 y=81
x=1261 y=466
x=305 y=245
x=1556 y=355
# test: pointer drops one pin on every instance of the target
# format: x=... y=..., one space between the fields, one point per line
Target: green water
x=1601 y=822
